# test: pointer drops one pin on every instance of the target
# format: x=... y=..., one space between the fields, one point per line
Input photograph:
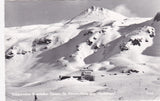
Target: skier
x=35 y=98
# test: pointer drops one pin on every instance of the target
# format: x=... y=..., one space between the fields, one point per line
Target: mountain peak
x=157 y=17
x=95 y=8
x=95 y=13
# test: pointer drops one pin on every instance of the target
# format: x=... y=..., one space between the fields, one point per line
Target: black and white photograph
x=82 y=50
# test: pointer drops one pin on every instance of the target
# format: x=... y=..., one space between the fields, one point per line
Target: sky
x=29 y=12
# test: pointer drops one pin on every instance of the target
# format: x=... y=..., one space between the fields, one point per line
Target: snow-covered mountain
x=98 y=39
x=97 y=14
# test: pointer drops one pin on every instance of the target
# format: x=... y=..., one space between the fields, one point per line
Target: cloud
x=122 y=9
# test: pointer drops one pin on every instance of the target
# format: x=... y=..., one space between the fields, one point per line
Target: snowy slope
x=99 y=39
x=154 y=50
